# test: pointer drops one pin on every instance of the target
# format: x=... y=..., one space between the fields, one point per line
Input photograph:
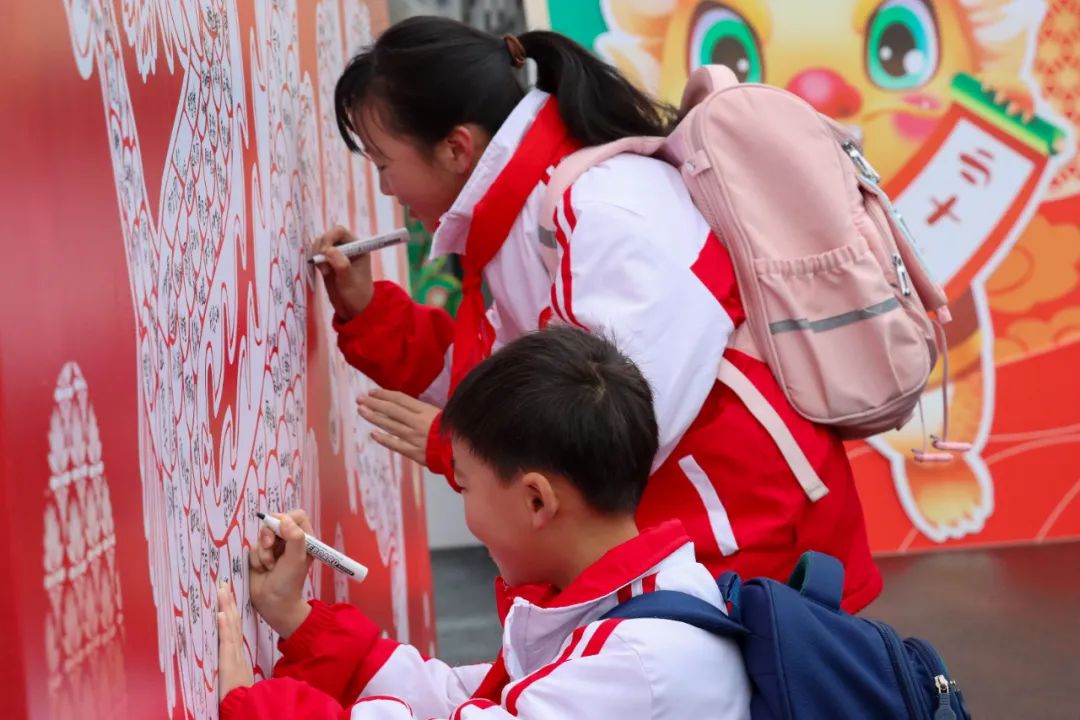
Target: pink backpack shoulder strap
x=703 y=82
x=572 y=167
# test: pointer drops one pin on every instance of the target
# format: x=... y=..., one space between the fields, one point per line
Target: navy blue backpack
x=808 y=659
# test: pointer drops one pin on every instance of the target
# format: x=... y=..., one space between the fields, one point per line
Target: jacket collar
x=614 y=570
x=453 y=228
x=537 y=619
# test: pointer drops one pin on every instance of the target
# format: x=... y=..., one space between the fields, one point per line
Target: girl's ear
x=461 y=148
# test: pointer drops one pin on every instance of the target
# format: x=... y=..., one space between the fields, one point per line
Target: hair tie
x=516 y=50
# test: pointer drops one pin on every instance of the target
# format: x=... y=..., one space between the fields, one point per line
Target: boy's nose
x=829 y=93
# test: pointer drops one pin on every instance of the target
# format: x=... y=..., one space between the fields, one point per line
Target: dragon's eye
x=902 y=45
x=720 y=36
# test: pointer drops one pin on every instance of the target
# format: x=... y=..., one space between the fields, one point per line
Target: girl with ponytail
x=441 y=111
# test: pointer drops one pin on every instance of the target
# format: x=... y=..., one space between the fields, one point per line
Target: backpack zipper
x=946 y=687
x=873 y=182
x=872 y=179
x=865 y=168
x=893 y=645
x=944 y=710
x=902 y=275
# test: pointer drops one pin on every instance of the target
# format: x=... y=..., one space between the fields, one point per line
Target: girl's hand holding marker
x=345 y=264
x=352 y=248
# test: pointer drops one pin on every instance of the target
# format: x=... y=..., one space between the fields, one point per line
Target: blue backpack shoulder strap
x=674 y=605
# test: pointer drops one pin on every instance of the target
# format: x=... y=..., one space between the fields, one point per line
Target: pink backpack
x=835 y=294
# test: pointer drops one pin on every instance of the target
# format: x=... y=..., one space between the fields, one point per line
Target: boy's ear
x=541 y=499
x=459 y=150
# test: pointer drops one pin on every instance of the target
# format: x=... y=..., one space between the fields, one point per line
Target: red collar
x=617 y=568
x=453 y=226
x=547 y=141
x=544 y=145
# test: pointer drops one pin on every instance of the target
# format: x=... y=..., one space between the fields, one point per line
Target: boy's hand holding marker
x=279 y=566
x=279 y=559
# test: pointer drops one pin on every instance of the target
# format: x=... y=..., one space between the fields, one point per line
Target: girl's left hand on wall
x=406 y=421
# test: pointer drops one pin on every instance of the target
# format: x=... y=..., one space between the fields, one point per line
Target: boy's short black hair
x=562 y=401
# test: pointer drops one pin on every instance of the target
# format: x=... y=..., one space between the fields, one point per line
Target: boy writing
x=553 y=439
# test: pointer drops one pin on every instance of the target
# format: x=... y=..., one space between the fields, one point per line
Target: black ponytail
x=429 y=74
x=597 y=103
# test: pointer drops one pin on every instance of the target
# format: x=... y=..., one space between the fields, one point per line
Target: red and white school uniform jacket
x=633 y=259
x=558 y=660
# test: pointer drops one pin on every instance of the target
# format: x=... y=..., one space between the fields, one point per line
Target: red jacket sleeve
x=280 y=698
x=337 y=651
x=397 y=342
x=439 y=455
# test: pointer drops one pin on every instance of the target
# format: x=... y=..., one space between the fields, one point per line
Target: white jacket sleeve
x=624 y=681
x=578 y=688
x=431 y=687
x=629 y=276
x=438 y=392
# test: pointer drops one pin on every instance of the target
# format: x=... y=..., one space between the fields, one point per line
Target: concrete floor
x=1006 y=620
